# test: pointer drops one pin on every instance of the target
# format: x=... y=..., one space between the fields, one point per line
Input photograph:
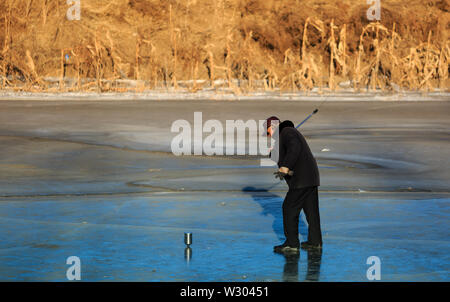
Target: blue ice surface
x=140 y=237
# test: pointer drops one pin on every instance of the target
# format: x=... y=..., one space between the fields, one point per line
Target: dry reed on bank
x=239 y=45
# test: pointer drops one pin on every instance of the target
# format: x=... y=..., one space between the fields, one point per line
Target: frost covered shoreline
x=227 y=95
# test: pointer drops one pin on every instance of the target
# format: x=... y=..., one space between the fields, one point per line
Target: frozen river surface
x=97 y=180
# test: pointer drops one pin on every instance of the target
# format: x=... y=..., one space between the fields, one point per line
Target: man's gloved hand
x=283 y=172
x=279 y=175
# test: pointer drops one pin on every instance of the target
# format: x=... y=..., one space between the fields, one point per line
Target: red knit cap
x=269 y=121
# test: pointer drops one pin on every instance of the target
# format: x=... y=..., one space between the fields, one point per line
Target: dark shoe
x=308 y=246
x=284 y=248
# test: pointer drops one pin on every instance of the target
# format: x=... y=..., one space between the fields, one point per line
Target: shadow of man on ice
x=271 y=205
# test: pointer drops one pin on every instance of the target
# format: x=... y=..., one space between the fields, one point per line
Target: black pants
x=296 y=200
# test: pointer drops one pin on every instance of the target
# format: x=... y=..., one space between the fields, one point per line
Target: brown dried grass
x=288 y=45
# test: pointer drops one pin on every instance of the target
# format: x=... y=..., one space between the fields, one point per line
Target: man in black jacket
x=298 y=167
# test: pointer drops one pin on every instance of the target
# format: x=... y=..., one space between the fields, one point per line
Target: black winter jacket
x=294 y=153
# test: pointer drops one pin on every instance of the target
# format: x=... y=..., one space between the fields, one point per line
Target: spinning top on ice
x=188 y=239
